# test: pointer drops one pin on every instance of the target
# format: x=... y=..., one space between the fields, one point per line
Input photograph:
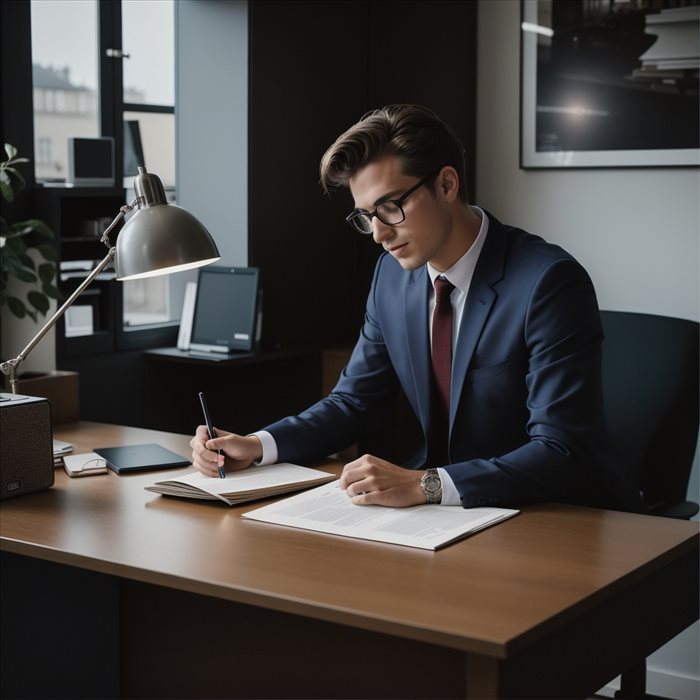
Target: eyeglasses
x=390 y=212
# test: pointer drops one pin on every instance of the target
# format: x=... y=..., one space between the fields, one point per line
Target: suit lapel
x=415 y=313
x=480 y=300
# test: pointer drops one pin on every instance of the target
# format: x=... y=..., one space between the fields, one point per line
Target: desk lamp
x=157 y=239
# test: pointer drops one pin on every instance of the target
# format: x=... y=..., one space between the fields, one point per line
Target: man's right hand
x=239 y=451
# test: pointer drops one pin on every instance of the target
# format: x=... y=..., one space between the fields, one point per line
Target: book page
x=329 y=509
x=249 y=480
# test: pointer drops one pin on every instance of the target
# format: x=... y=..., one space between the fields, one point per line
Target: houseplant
x=20 y=250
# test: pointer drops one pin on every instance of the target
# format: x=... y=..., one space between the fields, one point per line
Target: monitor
x=133 y=149
x=91 y=161
x=225 y=309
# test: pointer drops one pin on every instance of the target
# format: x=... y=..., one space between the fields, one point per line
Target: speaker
x=26 y=445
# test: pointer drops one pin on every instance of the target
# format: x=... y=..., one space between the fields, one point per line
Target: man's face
x=424 y=235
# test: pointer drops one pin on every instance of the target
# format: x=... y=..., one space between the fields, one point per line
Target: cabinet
x=78 y=216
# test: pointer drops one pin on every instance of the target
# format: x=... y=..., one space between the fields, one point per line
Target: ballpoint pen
x=210 y=428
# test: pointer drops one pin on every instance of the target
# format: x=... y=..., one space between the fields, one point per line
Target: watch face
x=432 y=483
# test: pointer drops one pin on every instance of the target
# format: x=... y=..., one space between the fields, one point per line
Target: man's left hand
x=373 y=481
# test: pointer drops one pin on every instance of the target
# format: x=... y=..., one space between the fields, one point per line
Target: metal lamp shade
x=160 y=239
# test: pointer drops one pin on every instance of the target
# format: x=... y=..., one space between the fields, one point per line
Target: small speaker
x=26 y=445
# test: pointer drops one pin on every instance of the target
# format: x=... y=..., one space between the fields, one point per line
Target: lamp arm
x=9 y=368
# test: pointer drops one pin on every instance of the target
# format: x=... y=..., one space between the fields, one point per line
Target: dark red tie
x=442 y=368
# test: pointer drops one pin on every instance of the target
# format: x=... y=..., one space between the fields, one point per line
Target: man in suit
x=502 y=372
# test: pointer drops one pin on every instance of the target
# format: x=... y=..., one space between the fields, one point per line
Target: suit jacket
x=526 y=415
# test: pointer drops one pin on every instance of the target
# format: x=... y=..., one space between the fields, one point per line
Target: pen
x=210 y=428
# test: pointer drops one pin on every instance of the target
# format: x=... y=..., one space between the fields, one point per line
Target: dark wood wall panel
x=315 y=69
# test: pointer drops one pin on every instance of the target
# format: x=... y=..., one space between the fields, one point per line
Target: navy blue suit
x=526 y=416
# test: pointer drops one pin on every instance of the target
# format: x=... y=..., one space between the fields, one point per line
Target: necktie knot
x=443 y=290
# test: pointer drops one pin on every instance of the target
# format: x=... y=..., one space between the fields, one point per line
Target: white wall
x=637 y=232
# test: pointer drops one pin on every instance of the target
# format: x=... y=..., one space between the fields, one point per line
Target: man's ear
x=447 y=183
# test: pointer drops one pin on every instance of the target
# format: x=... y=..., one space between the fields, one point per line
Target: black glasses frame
x=353 y=218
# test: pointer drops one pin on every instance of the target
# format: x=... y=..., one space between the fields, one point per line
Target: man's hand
x=239 y=451
x=373 y=481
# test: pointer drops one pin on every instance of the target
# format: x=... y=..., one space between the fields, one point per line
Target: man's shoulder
x=521 y=247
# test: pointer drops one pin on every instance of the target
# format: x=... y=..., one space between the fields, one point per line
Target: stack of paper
x=329 y=509
x=60 y=448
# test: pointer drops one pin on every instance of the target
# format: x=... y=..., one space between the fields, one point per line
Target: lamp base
x=26 y=445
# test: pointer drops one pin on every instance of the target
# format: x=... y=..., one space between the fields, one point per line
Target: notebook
x=134 y=458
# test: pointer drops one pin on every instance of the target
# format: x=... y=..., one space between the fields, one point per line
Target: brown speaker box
x=26 y=445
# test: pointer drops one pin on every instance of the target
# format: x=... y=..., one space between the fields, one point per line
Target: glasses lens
x=362 y=223
x=390 y=213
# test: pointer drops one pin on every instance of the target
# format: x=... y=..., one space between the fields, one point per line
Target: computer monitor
x=225 y=310
x=91 y=162
x=133 y=149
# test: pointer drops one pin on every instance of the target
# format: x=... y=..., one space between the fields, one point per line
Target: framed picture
x=608 y=83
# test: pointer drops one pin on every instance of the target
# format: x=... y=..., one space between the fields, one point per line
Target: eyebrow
x=384 y=198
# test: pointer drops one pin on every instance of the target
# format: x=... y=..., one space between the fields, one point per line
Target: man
x=501 y=364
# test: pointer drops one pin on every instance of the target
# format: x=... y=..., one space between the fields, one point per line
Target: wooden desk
x=552 y=603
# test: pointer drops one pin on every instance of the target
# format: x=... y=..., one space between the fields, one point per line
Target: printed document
x=329 y=509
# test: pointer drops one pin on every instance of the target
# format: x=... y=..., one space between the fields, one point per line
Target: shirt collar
x=461 y=273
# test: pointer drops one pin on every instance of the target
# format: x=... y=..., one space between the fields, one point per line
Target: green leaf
x=22 y=273
x=17 y=307
x=5 y=187
x=47 y=251
x=17 y=174
x=16 y=244
x=51 y=291
x=27 y=261
x=38 y=301
x=10 y=150
x=47 y=271
x=34 y=225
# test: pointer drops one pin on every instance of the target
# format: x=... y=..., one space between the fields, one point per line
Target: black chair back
x=650 y=380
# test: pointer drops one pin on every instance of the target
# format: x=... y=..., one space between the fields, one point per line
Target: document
x=246 y=485
x=328 y=509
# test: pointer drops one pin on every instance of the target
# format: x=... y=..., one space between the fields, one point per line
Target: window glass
x=64 y=68
x=148 y=37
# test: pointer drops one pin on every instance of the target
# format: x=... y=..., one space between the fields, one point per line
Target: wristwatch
x=432 y=486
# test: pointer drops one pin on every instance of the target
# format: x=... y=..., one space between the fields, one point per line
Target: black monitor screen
x=225 y=309
x=93 y=158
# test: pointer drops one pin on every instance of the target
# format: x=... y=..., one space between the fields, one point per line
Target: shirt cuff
x=269 y=448
x=450 y=495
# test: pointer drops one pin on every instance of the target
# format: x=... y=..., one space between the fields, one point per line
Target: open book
x=328 y=509
x=246 y=485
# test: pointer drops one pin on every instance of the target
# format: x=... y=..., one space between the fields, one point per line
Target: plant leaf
x=47 y=251
x=46 y=272
x=39 y=301
x=10 y=150
x=22 y=273
x=26 y=261
x=35 y=225
x=17 y=307
x=5 y=187
x=51 y=291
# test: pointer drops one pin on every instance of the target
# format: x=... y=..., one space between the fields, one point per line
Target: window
x=149 y=104
x=89 y=81
x=64 y=65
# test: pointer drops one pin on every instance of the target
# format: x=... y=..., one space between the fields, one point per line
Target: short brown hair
x=420 y=139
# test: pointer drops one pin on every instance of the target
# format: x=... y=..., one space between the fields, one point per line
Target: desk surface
x=492 y=594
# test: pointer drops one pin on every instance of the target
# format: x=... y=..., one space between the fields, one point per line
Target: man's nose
x=380 y=230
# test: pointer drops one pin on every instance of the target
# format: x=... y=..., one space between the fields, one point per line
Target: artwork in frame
x=609 y=83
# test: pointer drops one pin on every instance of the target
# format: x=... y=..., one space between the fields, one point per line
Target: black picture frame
x=598 y=90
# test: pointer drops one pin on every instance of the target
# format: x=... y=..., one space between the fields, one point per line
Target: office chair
x=651 y=398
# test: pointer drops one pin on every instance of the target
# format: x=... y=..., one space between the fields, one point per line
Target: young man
x=493 y=334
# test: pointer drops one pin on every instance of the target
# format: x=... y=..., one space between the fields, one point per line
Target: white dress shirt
x=460 y=275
